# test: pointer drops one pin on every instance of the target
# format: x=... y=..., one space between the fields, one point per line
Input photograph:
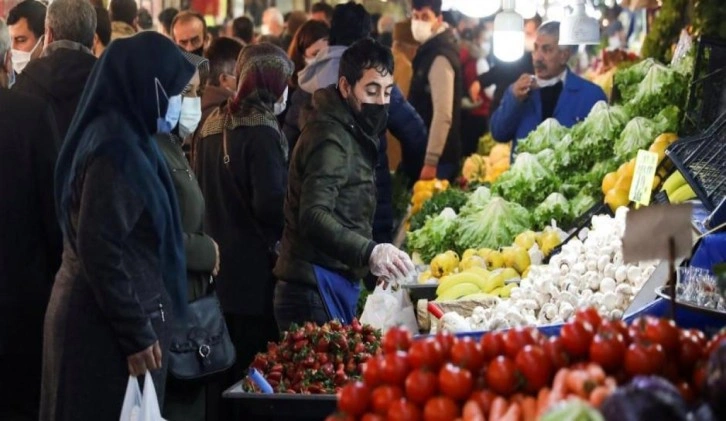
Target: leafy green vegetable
x=477 y=200
x=437 y=234
x=573 y=410
x=592 y=139
x=449 y=198
x=669 y=119
x=554 y=207
x=581 y=204
x=638 y=134
x=664 y=30
x=627 y=79
x=546 y=135
x=494 y=226
x=661 y=87
x=528 y=182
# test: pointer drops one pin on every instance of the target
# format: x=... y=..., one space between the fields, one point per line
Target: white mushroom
x=609 y=301
x=616 y=314
x=609 y=270
x=621 y=274
x=549 y=311
x=579 y=268
x=602 y=262
x=593 y=280
x=498 y=323
x=566 y=310
x=607 y=285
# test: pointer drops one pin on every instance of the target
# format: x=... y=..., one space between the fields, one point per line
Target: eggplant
x=703 y=413
x=716 y=381
x=635 y=404
x=658 y=385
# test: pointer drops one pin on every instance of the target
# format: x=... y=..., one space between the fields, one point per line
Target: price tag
x=642 y=185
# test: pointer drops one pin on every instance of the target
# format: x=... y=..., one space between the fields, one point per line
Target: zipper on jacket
x=161 y=311
x=189 y=173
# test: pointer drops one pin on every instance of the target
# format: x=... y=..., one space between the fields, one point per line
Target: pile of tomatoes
x=433 y=377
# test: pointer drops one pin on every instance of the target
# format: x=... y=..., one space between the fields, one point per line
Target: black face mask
x=199 y=51
x=372 y=118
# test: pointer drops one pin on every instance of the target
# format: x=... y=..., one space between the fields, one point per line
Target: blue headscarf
x=116 y=119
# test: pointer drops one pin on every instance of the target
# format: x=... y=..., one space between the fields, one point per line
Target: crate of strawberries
x=595 y=369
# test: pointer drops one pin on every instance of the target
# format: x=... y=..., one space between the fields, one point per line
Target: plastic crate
x=702 y=161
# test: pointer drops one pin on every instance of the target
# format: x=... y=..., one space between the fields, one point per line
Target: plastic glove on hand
x=389 y=262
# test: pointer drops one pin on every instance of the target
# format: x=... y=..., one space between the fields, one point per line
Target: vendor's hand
x=146 y=360
x=523 y=86
x=387 y=261
x=428 y=172
x=215 y=271
x=475 y=91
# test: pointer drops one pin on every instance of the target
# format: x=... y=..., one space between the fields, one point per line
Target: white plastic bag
x=138 y=407
x=388 y=307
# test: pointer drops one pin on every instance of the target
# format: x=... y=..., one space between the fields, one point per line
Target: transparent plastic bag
x=138 y=406
x=389 y=306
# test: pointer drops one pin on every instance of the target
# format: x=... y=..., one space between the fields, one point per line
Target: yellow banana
x=457 y=291
x=682 y=194
x=448 y=282
x=673 y=182
x=478 y=296
x=506 y=290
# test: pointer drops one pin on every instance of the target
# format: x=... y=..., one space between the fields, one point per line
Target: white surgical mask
x=421 y=30
x=279 y=107
x=309 y=60
x=191 y=115
x=22 y=58
x=265 y=29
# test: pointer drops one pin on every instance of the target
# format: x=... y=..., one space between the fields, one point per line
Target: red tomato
x=396 y=339
x=643 y=358
x=535 y=367
x=353 y=398
x=426 y=353
x=556 y=353
x=502 y=376
x=446 y=339
x=616 y=325
x=696 y=334
x=589 y=315
x=421 y=385
x=700 y=375
x=636 y=330
x=689 y=395
x=576 y=338
x=403 y=410
x=455 y=382
x=394 y=368
x=662 y=331
x=492 y=345
x=690 y=351
x=516 y=339
x=467 y=353
x=484 y=398
x=383 y=396
x=441 y=408
x=372 y=371
x=372 y=417
x=715 y=341
x=608 y=349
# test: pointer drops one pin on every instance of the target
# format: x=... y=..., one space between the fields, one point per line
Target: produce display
x=586 y=273
x=487 y=168
x=423 y=190
x=314 y=359
x=596 y=369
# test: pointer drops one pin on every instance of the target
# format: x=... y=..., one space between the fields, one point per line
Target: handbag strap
x=239 y=193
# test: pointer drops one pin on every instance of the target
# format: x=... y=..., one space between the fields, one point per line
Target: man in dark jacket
x=352 y=22
x=437 y=89
x=30 y=240
x=59 y=75
x=327 y=244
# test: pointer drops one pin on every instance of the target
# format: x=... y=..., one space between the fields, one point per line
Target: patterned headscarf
x=263 y=71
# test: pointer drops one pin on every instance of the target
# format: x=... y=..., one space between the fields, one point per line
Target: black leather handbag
x=201 y=346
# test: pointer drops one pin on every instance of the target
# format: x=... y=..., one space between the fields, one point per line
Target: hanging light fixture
x=578 y=28
x=526 y=8
x=508 y=33
x=476 y=9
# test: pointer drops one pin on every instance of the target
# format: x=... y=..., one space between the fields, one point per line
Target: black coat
x=243 y=212
x=30 y=241
x=58 y=79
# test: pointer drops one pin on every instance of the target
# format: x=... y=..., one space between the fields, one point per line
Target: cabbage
x=477 y=200
x=495 y=225
x=581 y=204
x=660 y=88
x=669 y=119
x=528 y=182
x=546 y=135
x=638 y=134
x=627 y=79
x=436 y=235
x=554 y=207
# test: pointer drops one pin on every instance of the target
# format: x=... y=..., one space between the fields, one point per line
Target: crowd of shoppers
x=157 y=167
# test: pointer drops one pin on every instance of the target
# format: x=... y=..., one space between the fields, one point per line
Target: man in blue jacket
x=553 y=91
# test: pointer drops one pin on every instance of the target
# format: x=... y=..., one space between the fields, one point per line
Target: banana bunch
x=477 y=283
x=678 y=189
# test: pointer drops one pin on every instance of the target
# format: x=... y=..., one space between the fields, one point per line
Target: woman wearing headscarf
x=123 y=276
x=242 y=170
x=184 y=398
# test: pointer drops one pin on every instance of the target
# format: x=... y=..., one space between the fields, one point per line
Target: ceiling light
x=578 y=28
x=508 y=33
